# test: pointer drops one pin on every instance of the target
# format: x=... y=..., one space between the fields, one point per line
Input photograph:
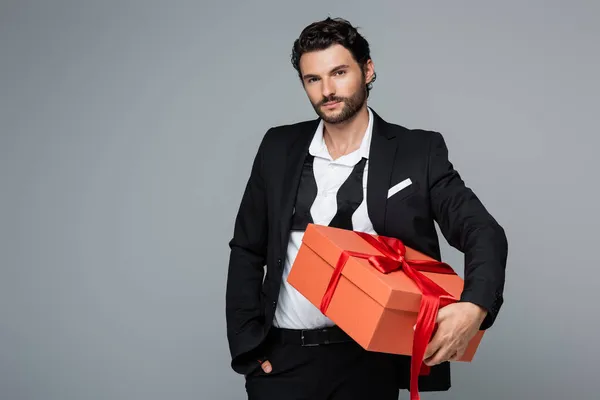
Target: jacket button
x=279 y=262
x=274 y=304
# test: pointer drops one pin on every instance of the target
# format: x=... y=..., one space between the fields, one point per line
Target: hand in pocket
x=266 y=366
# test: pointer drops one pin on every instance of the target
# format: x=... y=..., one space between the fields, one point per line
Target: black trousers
x=340 y=371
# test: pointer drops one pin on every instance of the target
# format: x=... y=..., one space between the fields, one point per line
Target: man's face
x=334 y=83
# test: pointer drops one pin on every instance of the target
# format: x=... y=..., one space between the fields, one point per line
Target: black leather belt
x=310 y=337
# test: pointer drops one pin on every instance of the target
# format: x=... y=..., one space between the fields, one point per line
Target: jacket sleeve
x=468 y=227
x=248 y=252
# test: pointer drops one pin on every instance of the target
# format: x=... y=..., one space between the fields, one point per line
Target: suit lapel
x=296 y=154
x=381 y=163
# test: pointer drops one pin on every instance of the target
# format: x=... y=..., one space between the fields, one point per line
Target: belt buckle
x=306 y=344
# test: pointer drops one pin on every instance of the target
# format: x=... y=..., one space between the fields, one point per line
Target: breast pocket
x=402 y=190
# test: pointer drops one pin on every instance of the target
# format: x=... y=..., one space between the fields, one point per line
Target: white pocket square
x=398 y=187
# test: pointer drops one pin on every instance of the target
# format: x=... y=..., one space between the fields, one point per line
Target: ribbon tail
x=333 y=282
x=424 y=328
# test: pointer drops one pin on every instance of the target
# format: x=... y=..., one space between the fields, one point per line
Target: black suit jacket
x=437 y=193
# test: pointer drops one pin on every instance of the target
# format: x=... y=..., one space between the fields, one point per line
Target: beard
x=351 y=106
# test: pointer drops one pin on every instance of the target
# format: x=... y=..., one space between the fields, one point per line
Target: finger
x=429 y=359
x=454 y=357
x=434 y=345
x=431 y=349
x=443 y=354
x=267 y=367
x=458 y=355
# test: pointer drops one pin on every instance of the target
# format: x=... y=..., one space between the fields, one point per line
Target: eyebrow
x=339 y=67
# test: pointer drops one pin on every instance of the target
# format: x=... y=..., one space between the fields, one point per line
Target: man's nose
x=328 y=88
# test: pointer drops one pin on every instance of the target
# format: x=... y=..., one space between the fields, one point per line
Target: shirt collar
x=318 y=148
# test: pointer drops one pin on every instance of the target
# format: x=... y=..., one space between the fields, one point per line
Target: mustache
x=331 y=99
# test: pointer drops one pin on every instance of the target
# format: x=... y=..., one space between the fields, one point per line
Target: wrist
x=479 y=311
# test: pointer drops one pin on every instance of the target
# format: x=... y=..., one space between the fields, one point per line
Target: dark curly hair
x=322 y=34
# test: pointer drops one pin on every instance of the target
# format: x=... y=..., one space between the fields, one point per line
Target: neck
x=346 y=137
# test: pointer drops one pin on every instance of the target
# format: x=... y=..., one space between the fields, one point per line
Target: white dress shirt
x=294 y=311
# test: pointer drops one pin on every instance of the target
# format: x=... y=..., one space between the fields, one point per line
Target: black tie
x=349 y=197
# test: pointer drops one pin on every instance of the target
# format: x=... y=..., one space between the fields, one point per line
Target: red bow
x=433 y=296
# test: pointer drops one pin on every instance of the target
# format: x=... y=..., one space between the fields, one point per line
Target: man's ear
x=369 y=72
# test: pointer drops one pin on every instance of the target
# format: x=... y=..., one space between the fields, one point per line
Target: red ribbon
x=433 y=296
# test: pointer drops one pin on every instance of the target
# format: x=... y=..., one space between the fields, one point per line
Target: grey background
x=127 y=134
